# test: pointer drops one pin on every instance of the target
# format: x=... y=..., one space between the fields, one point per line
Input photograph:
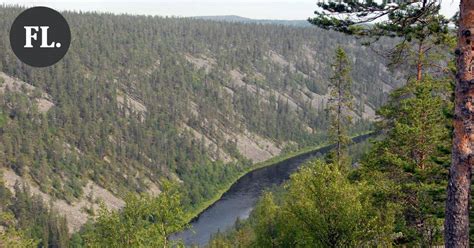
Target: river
x=241 y=198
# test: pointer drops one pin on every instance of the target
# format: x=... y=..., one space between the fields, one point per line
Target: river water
x=240 y=199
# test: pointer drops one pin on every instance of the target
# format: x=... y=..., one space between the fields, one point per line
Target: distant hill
x=234 y=18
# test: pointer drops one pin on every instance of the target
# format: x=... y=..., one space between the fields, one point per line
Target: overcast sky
x=257 y=9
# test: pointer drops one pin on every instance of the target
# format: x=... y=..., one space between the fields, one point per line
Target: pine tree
x=413 y=155
x=340 y=105
x=403 y=17
x=459 y=186
x=418 y=24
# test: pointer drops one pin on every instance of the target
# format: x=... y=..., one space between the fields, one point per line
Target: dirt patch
x=201 y=62
x=280 y=60
x=75 y=214
x=44 y=105
x=101 y=194
x=43 y=101
x=153 y=67
x=133 y=105
x=210 y=145
x=153 y=188
x=194 y=108
x=387 y=88
x=254 y=147
x=14 y=84
x=228 y=90
x=237 y=78
x=286 y=99
x=237 y=81
x=277 y=58
x=309 y=54
x=369 y=113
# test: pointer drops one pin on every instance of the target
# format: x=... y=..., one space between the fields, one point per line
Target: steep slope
x=138 y=99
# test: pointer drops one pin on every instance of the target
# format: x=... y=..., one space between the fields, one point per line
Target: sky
x=256 y=9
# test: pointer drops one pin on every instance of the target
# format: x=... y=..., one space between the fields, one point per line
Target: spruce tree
x=339 y=107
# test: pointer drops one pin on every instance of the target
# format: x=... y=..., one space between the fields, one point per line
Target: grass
x=269 y=162
x=3 y=119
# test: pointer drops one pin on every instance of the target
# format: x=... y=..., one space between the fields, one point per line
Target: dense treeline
x=28 y=221
x=394 y=196
x=126 y=95
x=90 y=134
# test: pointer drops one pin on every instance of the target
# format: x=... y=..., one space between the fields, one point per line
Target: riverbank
x=272 y=161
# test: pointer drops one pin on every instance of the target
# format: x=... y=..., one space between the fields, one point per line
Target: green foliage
x=339 y=108
x=320 y=207
x=415 y=156
x=145 y=221
x=11 y=236
x=409 y=19
x=423 y=31
x=3 y=119
x=323 y=208
x=395 y=197
x=97 y=129
x=416 y=122
x=126 y=111
x=38 y=220
x=242 y=236
x=415 y=153
x=28 y=222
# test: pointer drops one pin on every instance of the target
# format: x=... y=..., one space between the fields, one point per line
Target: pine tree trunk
x=457 y=204
x=419 y=63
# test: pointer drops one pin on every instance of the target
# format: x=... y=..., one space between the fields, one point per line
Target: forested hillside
x=140 y=99
x=395 y=194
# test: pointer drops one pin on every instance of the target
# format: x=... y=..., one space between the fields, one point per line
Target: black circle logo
x=40 y=36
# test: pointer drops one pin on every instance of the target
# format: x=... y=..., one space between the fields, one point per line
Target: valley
x=239 y=200
x=193 y=101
